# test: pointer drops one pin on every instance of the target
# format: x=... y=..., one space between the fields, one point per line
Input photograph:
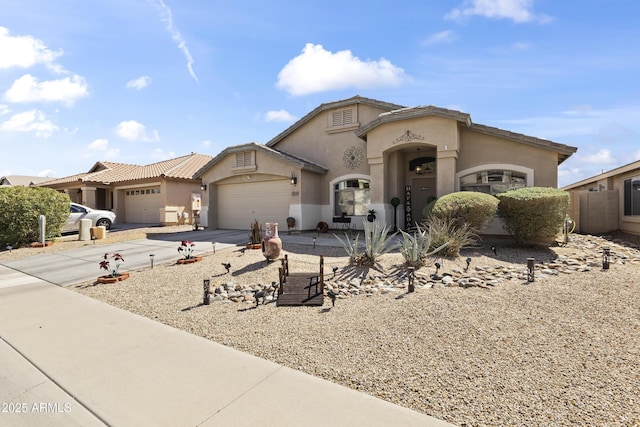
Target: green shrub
x=449 y=232
x=376 y=243
x=20 y=208
x=416 y=247
x=533 y=214
x=471 y=207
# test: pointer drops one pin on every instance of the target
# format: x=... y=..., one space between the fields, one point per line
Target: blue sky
x=139 y=81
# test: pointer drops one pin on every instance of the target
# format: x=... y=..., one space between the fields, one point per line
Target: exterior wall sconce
x=531 y=269
x=203 y=187
x=294 y=179
x=605 y=258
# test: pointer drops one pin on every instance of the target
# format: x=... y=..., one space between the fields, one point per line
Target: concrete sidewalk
x=87 y=363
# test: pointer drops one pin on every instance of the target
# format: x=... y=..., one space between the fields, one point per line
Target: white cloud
x=47 y=173
x=25 y=52
x=167 y=17
x=318 y=70
x=99 y=145
x=600 y=157
x=135 y=131
x=30 y=121
x=279 y=116
x=518 y=11
x=139 y=83
x=159 y=155
x=442 y=37
x=206 y=143
x=28 y=89
x=4 y=109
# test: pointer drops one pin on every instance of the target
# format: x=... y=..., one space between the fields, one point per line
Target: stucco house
x=607 y=202
x=158 y=193
x=349 y=156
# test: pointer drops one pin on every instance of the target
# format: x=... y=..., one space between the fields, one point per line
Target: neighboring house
x=607 y=202
x=22 y=180
x=347 y=157
x=159 y=193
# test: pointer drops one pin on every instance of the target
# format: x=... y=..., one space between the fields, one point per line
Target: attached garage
x=240 y=203
x=142 y=205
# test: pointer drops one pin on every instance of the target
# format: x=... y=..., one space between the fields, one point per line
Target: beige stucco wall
x=479 y=149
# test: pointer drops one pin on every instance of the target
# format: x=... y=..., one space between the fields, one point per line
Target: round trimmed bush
x=465 y=207
x=533 y=214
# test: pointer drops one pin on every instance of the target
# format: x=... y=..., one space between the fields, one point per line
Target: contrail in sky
x=167 y=17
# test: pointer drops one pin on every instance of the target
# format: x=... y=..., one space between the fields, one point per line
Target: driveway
x=80 y=265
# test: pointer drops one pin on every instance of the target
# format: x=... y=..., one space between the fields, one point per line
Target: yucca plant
x=416 y=247
x=449 y=230
x=377 y=242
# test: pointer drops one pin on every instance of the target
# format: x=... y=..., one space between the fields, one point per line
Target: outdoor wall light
x=203 y=187
x=151 y=257
x=605 y=258
x=294 y=179
x=530 y=269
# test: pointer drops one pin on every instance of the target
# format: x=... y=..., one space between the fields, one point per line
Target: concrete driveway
x=80 y=265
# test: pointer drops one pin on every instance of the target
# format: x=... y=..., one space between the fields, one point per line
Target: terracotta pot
x=272 y=244
x=40 y=245
x=111 y=279
x=190 y=260
x=254 y=245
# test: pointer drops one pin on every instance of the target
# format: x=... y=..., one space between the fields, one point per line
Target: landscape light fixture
x=314 y=242
x=151 y=257
x=294 y=178
x=605 y=258
x=214 y=247
x=530 y=269
x=412 y=274
x=206 y=286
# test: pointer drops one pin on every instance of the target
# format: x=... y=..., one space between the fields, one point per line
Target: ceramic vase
x=271 y=243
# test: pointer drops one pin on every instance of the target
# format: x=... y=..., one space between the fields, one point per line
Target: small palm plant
x=415 y=247
x=112 y=268
x=255 y=236
x=376 y=243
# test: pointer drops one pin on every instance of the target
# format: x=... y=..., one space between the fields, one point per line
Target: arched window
x=352 y=197
x=493 y=181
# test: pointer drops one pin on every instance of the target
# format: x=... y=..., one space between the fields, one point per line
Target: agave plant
x=415 y=247
x=377 y=242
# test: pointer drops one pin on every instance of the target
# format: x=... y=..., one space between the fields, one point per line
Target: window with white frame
x=493 y=181
x=351 y=197
x=632 y=196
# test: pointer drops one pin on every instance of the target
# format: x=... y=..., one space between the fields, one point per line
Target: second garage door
x=240 y=204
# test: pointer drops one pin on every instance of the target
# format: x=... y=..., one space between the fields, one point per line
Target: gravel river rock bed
x=562 y=350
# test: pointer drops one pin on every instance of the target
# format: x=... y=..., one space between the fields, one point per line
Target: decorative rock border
x=586 y=257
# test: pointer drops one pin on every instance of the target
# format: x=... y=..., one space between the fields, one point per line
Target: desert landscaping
x=472 y=346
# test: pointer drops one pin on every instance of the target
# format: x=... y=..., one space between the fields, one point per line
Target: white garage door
x=142 y=205
x=240 y=204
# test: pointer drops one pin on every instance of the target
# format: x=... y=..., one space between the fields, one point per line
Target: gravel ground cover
x=563 y=350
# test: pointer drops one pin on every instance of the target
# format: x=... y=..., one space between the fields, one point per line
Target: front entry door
x=421 y=190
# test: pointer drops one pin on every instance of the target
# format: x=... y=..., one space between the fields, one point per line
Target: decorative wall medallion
x=353 y=157
x=408 y=136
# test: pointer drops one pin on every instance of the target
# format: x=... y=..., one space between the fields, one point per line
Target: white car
x=98 y=217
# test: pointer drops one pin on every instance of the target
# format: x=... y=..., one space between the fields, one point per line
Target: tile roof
x=23 y=180
x=183 y=167
x=295 y=160
x=328 y=106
